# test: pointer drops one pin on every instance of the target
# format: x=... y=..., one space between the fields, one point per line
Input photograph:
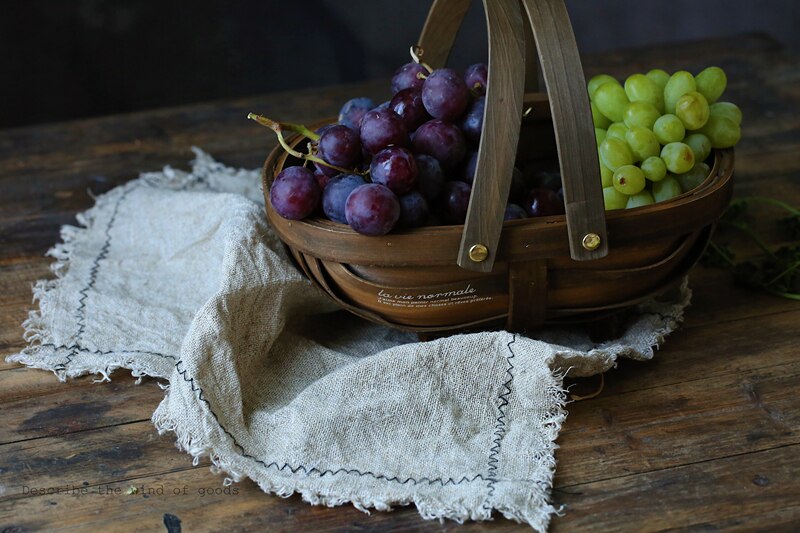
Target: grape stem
x=416 y=54
x=279 y=127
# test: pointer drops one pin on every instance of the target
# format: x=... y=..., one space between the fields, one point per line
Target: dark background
x=66 y=59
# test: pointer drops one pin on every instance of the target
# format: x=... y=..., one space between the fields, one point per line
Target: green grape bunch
x=656 y=131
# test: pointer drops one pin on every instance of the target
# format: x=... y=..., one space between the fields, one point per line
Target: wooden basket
x=519 y=274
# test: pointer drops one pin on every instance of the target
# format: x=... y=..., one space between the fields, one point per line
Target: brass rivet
x=478 y=253
x=591 y=241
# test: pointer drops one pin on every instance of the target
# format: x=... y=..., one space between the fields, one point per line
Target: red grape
x=413 y=210
x=340 y=146
x=430 y=177
x=381 y=128
x=294 y=193
x=445 y=94
x=472 y=123
x=354 y=110
x=442 y=140
x=372 y=209
x=335 y=196
x=476 y=77
x=408 y=76
x=454 y=202
x=514 y=212
x=408 y=104
x=396 y=168
x=543 y=202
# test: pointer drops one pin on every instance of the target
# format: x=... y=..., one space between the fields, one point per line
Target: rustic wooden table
x=705 y=437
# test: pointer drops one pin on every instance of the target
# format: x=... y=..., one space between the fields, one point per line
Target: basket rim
x=524 y=239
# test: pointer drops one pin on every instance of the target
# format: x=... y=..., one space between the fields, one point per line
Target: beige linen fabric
x=176 y=275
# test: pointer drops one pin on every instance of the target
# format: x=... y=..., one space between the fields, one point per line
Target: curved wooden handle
x=440 y=30
x=497 y=151
x=574 y=129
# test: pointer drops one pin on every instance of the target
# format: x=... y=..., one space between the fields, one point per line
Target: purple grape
x=323 y=129
x=396 y=168
x=294 y=193
x=543 y=202
x=454 y=202
x=441 y=140
x=476 y=77
x=514 y=212
x=430 y=177
x=413 y=210
x=340 y=146
x=545 y=179
x=470 y=167
x=381 y=128
x=354 y=110
x=322 y=179
x=385 y=105
x=335 y=196
x=472 y=123
x=408 y=76
x=518 y=190
x=408 y=104
x=372 y=209
x=445 y=94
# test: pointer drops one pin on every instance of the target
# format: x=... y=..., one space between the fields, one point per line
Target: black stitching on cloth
x=81 y=349
x=500 y=427
x=315 y=470
x=81 y=310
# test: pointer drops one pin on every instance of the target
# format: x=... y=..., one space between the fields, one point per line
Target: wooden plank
x=667 y=426
x=750 y=492
x=82 y=405
x=93 y=457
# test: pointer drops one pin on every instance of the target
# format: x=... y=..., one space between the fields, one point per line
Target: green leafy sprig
x=776 y=271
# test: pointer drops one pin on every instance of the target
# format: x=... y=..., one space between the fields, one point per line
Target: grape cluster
x=655 y=133
x=408 y=162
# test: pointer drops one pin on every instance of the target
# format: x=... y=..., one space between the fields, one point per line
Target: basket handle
x=572 y=121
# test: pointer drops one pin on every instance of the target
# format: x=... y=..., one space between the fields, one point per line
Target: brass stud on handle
x=591 y=241
x=478 y=253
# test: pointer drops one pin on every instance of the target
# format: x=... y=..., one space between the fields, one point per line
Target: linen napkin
x=176 y=275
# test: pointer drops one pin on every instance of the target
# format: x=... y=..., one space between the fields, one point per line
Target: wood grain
x=704 y=437
x=502 y=120
x=572 y=120
x=440 y=30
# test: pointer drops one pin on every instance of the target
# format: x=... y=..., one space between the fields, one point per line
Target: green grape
x=615 y=153
x=660 y=77
x=700 y=145
x=640 y=114
x=611 y=100
x=722 y=131
x=654 y=168
x=666 y=189
x=679 y=84
x=642 y=142
x=599 y=80
x=600 y=120
x=727 y=109
x=617 y=130
x=678 y=157
x=640 y=88
x=669 y=129
x=640 y=200
x=711 y=83
x=629 y=179
x=599 y=136
x=693 y=178
x=606 y=176
x=692 y=109
x=613 y=199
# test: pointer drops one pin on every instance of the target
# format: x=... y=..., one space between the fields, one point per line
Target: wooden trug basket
x=571 y=268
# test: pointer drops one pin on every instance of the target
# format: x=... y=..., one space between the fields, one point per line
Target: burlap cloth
x=176 y=275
